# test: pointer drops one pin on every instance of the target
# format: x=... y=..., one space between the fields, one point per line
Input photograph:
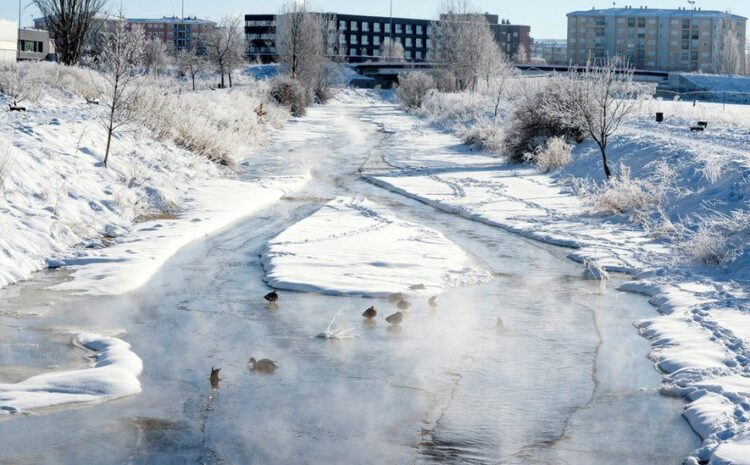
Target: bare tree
x=299 y=41
x=460 y=39
x=495 y=70
x=119 y=64
x=69 y=22
x=155 y=56
x=191 y=64
x=728 y=52
x=225 y=46
x=391 y=50
x=598 y=100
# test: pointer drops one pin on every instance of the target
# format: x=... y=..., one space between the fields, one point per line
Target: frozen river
x=567 y=382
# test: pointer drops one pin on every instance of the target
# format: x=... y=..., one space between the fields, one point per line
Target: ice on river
x=354 y=246
x=113 y=375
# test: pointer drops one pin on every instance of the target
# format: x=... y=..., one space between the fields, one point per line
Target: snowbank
x=701 y=343
x=113 y=375
x=129 y=264
x=355 y=246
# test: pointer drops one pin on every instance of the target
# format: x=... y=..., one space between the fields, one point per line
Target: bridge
x=386 y=73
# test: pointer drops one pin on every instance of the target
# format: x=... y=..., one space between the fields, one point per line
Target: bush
x=483 y=134
x=709 y=246
x=445 y=81
x=553 y=155
x=413 y=89
x=21 y=81
x=532 y=124
x=291 y=94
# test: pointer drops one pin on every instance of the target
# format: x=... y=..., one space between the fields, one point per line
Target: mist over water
x=566 y=381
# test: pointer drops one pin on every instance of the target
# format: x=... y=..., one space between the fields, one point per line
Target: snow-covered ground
x=701 y=341
x=112 y=375
x=355 y=246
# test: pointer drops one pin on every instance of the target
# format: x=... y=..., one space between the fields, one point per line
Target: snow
x=129 y=264
x=353 y=246
x=113 y=375
x=700 y=339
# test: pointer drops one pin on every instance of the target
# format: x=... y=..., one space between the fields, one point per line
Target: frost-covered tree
x=155 y=57
x=728 y=52
x=460 y=41
x=413 y=88
x=299 y=41
x=391 y=50
x=225 y=46
x=119 y=63
x=597 y=100
x=495 y=70
x=70 y=23
x=191 y=64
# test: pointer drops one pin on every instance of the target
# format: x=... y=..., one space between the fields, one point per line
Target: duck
x=263 y=365
x=433 y=301
x=214 y=378
x=403 y=305
x=396 y=297
x=370 y=313
x=395 y=319
x=272 y=296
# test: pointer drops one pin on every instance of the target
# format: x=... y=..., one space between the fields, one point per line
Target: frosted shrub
x=553 y=155
x=623 y=194
x=531 y=123
x=710 y=247
x=21 y=82
x=483 y=134
x=413 y=89
x=445 y=80
x=290 y=93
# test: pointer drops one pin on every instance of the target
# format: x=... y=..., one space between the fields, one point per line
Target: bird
x=403 y=304
x=433 y=301
x=214 y=378
x=393 y=298
x=272 y=296
x=370 y=313
x=395 y=319
x=263 y=365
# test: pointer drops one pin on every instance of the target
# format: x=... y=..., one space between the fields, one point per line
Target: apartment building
x=35 y=45
x=549 y=51
x=358 y=37
x=179 y=33
x=659 y=39
x=8 y=41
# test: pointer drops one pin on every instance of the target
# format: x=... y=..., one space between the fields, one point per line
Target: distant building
x=359 y=37
x=178 y=33
x=35 y=45
x=8 y=41
x=549 y=51
x=670 y=40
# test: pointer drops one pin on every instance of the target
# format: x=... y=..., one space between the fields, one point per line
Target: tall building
x=176 y=32
x=549 y=51
x=358 y=38
x=670 y=40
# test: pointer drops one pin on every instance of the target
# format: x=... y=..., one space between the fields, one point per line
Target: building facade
x=177 y=33
x=549 y=51
x=35 y=45
x=669 y=40
x=8 y=41
x=359 y=38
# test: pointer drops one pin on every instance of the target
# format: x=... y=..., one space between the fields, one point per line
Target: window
x=365 y=26
x=419 y=42
x=342 y=38
x=408 y=42
x=387 y=27
x=418 y=55
x=407 y=55
x=686 y=24
x=641 y=22
x=419 y=29
x=365 y=40
x=376 y=40
x=409 y=29
x=342 y=25
x=429 y=43
x=376 y=27
x=399 y=29
x=631 y=22
x=353 y=52
x=376 y=52
x=352 y=39
x=353 y=26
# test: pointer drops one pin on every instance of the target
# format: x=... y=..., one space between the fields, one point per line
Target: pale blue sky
x=546 y=17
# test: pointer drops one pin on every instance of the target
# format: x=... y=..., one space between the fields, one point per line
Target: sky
x=546 y=17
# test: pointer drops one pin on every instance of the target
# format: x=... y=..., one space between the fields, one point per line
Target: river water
x=567 y=381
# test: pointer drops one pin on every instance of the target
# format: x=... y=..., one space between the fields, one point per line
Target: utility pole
x=18 y=39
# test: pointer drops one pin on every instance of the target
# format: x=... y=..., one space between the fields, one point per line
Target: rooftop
x=652 y=12
x=172 y=20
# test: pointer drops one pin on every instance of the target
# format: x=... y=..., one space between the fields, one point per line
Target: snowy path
x=559 y=382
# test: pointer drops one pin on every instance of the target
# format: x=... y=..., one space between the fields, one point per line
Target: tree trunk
x=607 y=172
x=230 y=78
x=109 y=141
x=222 y=79
x=193 y=82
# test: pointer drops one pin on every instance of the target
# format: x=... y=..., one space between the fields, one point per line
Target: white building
x=8 y=41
